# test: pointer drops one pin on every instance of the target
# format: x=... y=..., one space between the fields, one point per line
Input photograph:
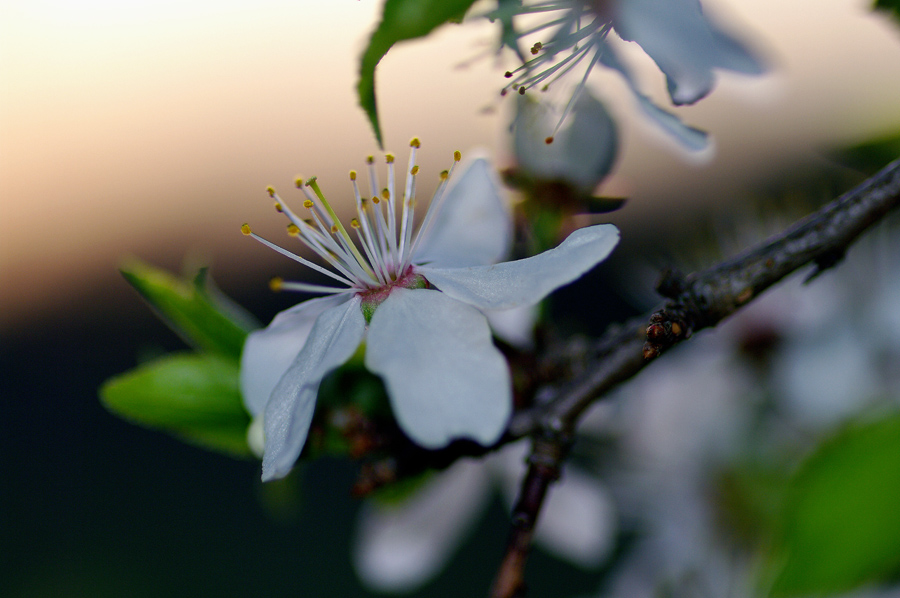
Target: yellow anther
x=444 y=174
x=414 y=170
x=334 y=228
x=385 y=194
x=370 y=160
x=414 y=142
x=375 y=200
x=457 y=155
x=275 y=284
x=298 y=182
x=354 y=223
x=293 y=229
x=278 y=208
x=245 y=228
x=270 y=191
x=389 y=158
x=549 y=140
x=352 y=175
x=308 y=203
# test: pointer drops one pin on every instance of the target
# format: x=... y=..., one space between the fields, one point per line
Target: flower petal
x=268 y=353
x=399 y=547
x=692 y=138
x=684 y=44
x=474 y=226
x=526 y=281
x=332 y=341
x=581 y=154
x=445 y=378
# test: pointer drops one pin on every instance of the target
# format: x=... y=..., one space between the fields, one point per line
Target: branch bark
x=700 y=300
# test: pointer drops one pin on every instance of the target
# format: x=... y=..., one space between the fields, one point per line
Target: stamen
x=387 y=241
x=314 y=185
x=433 y=208
x=337 y=255
x=409 y=195
x=246 y=230
x=312 y=288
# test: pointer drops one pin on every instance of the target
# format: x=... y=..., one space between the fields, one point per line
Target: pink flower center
x=372 y=298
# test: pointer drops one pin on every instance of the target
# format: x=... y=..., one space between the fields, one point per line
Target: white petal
x=515 y=326
x=332 y=341
x=474 y=226
x=445 y=378
x=400 y=547
x=578 y=521
x=268 y=353
x=692 y=138
x=581 y=154
x=684 y=44
x=526 y=281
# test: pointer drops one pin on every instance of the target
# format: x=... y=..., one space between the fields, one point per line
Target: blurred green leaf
x=840 y=525
x=890 y=6
x=604 y=205
x=194 y=309
x=401 y=20
x=871 y=156
x=196 y=397
x=397 y=493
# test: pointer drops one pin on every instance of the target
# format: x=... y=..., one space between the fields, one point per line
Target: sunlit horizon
x=153 y=128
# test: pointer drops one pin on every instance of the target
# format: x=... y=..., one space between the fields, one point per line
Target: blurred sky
x=153 y=127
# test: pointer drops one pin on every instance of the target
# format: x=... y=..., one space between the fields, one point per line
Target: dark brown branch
x=699 y=301
x=547 y=455
x=705 y=298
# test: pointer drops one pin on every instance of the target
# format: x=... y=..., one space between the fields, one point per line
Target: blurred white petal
x=400 y=547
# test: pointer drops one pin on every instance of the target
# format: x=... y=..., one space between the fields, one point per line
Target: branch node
x=671 y=283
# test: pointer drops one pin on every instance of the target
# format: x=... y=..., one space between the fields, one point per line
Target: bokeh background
x=152 y=129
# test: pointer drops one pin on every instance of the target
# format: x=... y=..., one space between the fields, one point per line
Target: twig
x=698 y=301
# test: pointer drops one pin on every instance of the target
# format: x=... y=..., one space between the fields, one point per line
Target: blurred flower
x=684 y=43
x=401 y=546
x=579 y=156
x=417 y=299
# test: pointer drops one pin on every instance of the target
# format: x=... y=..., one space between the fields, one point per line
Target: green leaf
x=840 y=525
x=871 y=156
x=196 y=397
x=604 y=205
x=401 y=20
x=194 y=309
x=889 y=6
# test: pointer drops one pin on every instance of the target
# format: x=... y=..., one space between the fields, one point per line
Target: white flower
x=417 y=299
x=683 y=42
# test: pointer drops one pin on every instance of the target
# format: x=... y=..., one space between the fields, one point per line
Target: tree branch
x=698 y=301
